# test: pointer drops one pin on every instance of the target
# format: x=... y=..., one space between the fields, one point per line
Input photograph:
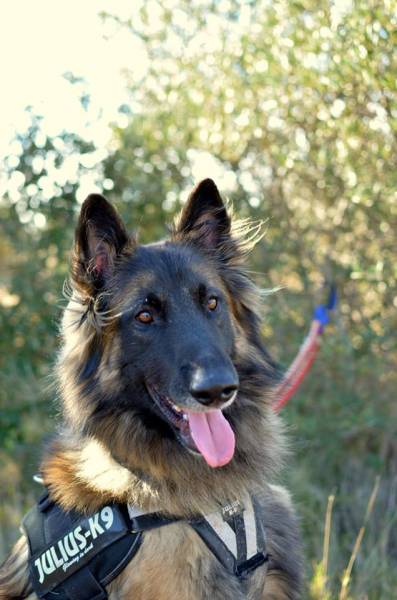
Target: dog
x=166 y=391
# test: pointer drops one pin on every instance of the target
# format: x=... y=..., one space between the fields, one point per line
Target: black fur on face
x=165 y=328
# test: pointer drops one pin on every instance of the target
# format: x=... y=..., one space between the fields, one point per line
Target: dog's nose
x=213 y=387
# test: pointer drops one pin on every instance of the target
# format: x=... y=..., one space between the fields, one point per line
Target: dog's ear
x=204 y=218
x=100 y=237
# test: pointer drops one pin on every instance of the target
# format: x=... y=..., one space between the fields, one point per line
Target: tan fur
x=276 y=588
x=14 y=579
x=82 y=474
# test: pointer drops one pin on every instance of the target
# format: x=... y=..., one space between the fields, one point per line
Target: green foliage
x=293 y=108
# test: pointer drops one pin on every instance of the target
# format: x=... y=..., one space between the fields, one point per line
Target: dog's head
x=162 y=351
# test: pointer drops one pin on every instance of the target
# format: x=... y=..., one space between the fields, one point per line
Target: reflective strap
x=134 y=511
x=142 y=521
x=215 y=544
x=235 y=536
x=223 y=531
x=239 y=529
x=251 y=529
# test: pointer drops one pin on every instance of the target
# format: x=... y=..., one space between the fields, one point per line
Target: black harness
x=74 y=556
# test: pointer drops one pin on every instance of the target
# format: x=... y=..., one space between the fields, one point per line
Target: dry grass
x=319 y=585
x=357 y=544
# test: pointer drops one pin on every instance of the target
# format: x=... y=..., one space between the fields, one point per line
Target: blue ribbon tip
x=320 y=314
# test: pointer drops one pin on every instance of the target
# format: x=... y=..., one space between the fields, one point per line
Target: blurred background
x=292 y=108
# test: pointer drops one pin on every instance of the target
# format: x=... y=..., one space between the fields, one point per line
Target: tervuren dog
x=166 y=391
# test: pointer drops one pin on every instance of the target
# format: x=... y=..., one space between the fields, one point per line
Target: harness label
x=232 y=509
x=77 y=547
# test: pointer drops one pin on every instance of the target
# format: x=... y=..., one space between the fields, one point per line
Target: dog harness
x=74 y=556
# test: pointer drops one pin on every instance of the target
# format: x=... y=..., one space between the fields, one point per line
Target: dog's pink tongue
x=213 y=436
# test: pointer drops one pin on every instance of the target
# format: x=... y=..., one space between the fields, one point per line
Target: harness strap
x=75 y=556
x=235 y=536
x=141 y=521
x=83 y=586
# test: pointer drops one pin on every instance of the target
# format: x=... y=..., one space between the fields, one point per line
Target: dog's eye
x=212 y=303
x=144 y=317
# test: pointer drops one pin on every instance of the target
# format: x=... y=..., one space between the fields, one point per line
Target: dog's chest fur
x=174 y=563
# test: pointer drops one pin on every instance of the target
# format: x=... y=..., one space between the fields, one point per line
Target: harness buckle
x=251 y=564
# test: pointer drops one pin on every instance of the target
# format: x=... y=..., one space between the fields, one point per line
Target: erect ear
x=204 y=218
x=100 y=237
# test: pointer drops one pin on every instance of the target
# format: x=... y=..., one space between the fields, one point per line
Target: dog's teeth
x=173 y=412
x=175 y=407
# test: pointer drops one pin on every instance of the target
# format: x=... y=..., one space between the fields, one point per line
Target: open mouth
x=208 y=433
